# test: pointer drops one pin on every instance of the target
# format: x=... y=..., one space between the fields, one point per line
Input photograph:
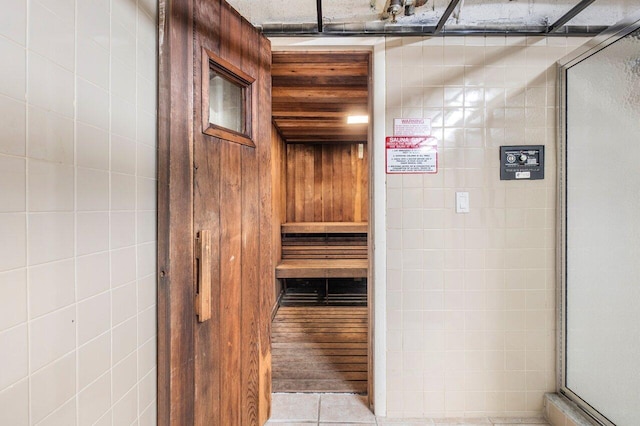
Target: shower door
x=599 y=164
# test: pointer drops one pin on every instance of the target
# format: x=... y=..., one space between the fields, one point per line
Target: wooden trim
x=322 y=268
x=371 y=235
x=324 y=227
x=176 y=293
x=239 y=77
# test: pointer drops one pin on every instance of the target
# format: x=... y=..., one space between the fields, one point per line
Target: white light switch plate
x=462 y=202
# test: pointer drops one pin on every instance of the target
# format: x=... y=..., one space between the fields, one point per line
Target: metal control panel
x=522 y=162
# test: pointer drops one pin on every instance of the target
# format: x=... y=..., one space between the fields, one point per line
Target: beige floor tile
x=347 y=424
x=518 y=420
x=294 y=407
x=283 y=423
x=345 y=408
x=385 y=421
x=461 y=421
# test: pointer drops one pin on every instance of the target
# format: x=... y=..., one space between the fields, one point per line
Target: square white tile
x=13 y=139
x=13 y=72
x=345 y=408
x=14 y=361
x=13 y=178
x=295 y=407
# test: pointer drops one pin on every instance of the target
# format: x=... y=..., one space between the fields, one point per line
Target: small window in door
x=226 y=100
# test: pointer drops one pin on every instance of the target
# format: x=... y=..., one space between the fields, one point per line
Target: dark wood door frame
x=175 y=214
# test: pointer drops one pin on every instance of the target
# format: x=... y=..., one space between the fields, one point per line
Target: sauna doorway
x=320 y=137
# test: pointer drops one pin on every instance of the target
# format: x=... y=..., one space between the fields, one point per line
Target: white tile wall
x=470 y=297
x=77 y=212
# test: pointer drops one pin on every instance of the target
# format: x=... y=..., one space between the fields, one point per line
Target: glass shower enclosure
x=599 y=228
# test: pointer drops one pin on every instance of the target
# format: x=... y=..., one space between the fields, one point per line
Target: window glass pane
x=225 y=103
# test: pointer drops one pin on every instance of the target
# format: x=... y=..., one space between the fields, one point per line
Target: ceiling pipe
x=319 y=12
x=394 y=9
x=445 y=16
x=569 y=15
x=280 y=30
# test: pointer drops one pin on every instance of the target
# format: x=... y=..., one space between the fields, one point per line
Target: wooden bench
x=324 y=250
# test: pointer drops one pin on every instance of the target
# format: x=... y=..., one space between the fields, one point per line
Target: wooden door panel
x=215 y=372
x=207 y=216
x=231 y=264
x=236 y=330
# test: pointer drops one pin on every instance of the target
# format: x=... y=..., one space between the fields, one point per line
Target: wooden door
x=217 y=184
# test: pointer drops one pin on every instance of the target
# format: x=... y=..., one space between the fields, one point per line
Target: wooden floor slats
x=320 y=349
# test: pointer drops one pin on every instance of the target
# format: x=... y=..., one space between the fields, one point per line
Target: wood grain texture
x=268 y=229
x=314 y=92
x=309 y=250
x=327 y=183
x=216 y=372
x=320 y=349
x=322 y=268
x=250 y=240
x=207 y=205
x=325 y=227
x=175 y=231
x=279 y=193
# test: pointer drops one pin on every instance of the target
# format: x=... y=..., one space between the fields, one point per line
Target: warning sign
x=412 y=154
x=411 y=126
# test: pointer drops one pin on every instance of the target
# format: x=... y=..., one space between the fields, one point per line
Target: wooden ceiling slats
x=314 y=122
x=301 y=94
x=320 y=69
x=319 y=109
x=320 y=80
x=336 y=57
x=313 y=92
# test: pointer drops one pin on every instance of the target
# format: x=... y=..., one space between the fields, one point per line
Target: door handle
x=203 y=255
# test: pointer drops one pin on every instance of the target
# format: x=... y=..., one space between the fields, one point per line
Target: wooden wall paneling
x=268 y=229
x=317 y=187
x=309 y=184
x=358 y=188
x=327 y=186
x=364 y=181
x=279 y=191
x=326 y=182
x=175 y=237
x=290 y=193
x=299 y=173
x=348 y=187
x=336 y=180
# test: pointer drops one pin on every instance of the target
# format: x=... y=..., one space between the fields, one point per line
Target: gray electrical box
x=522 y=162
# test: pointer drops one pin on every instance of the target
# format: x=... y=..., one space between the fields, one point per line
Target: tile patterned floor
x=305 y=409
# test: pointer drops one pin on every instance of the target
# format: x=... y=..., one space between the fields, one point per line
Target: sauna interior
x=321 y=168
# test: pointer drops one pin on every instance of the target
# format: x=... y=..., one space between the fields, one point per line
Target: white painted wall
x=77 y=212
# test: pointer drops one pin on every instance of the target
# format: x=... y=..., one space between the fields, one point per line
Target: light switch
x=462 y=202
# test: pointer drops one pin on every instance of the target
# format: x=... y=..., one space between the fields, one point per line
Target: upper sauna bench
x=324 y=250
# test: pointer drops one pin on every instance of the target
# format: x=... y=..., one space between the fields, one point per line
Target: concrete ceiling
x=284 y=17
